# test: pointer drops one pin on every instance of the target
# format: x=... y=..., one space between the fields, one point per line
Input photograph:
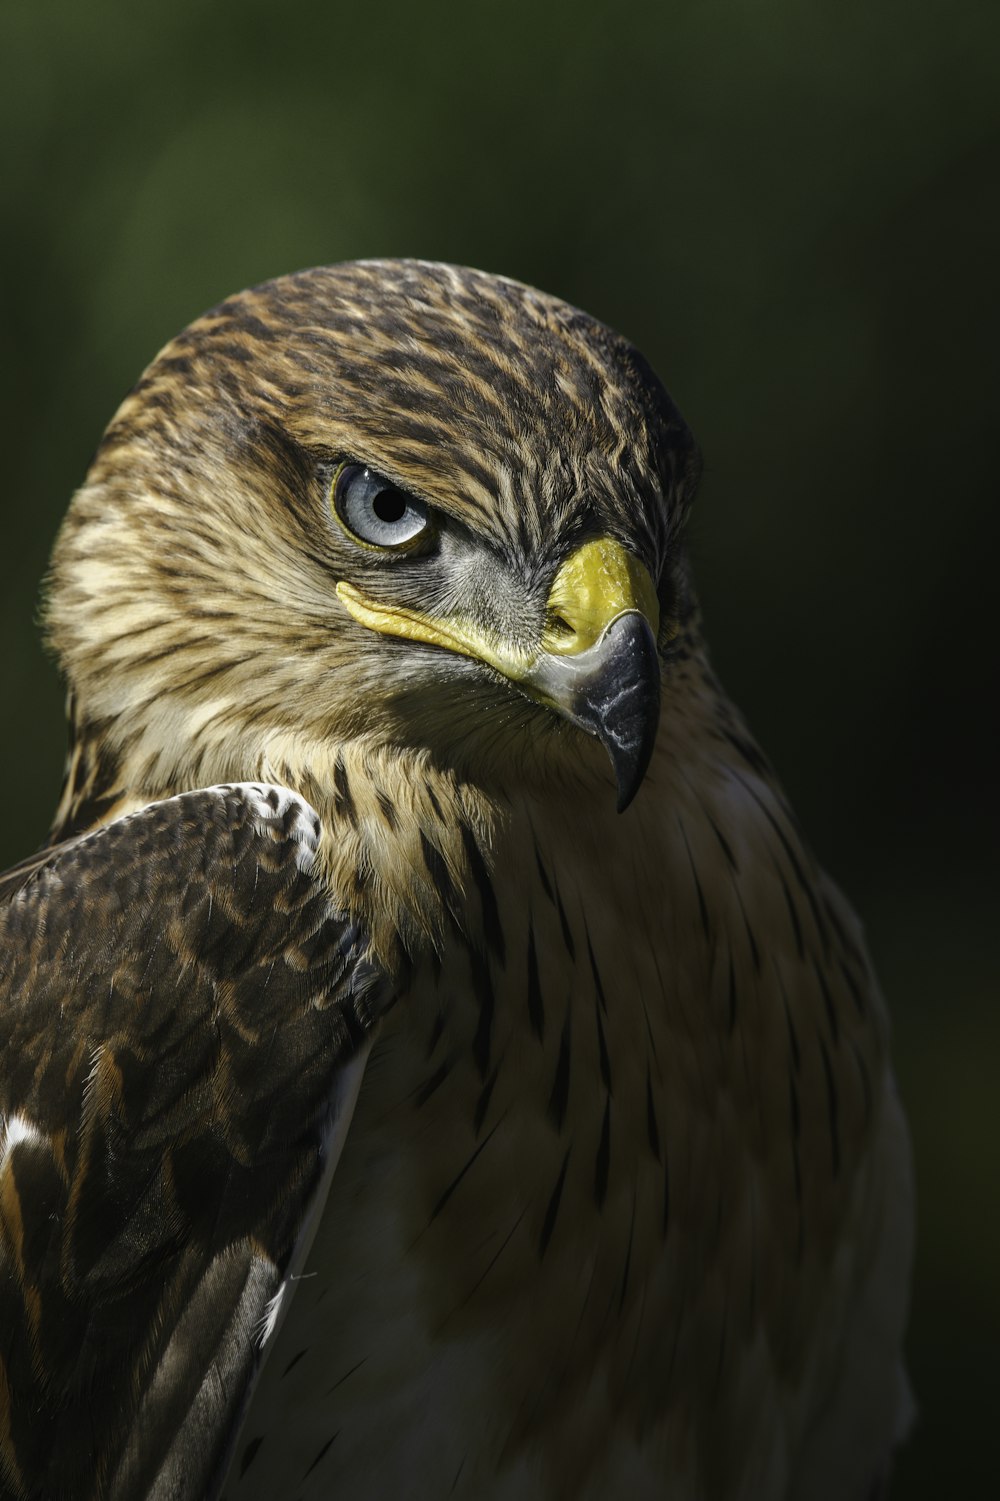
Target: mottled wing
x=184 y=1021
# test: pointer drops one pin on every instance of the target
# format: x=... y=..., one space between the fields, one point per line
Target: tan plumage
x=625 y=1207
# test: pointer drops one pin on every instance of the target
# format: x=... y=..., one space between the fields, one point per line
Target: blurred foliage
x=792 y=208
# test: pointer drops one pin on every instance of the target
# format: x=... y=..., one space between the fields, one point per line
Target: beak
x=611 y=690
x=596 y=664
x=599 y=666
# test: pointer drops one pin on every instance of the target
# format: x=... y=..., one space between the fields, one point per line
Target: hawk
x=433 y=1063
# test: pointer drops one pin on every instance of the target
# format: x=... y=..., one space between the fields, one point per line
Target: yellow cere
x=596 y=584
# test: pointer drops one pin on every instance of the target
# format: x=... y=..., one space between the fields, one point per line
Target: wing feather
x=184 y=1021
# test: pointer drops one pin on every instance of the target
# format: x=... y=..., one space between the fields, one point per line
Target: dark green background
x=791 y=207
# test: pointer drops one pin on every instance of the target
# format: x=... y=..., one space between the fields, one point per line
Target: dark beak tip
x=631 y=765
x=626 y=791
x=623 y=709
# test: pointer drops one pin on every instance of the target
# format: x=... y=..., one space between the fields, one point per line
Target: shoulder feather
x=184 y=1020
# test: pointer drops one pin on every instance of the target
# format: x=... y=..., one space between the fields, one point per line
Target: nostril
x=558 y=624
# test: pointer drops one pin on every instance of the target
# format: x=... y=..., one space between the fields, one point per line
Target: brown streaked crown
x=499 y=403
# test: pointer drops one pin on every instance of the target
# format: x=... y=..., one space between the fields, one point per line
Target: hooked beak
x=596 y=664
x=612 y=690
x=599 y=666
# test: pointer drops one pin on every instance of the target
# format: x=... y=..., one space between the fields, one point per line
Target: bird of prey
x=432 y=1062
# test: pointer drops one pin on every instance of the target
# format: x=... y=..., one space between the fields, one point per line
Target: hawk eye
x=374 y=511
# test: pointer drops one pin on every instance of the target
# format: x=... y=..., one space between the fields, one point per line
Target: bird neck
x=406 y=847
x=95 y=787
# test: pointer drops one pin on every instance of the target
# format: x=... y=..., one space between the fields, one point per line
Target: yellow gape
x=596 y=584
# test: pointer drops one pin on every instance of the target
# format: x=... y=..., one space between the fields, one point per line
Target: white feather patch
x=272 y=1314
x=271 y=804
x=13 y=1130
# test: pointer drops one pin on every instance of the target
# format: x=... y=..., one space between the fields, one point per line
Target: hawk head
x=385 y=504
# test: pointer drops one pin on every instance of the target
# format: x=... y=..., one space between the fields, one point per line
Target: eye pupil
x=373 y=511
x=389 y=506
